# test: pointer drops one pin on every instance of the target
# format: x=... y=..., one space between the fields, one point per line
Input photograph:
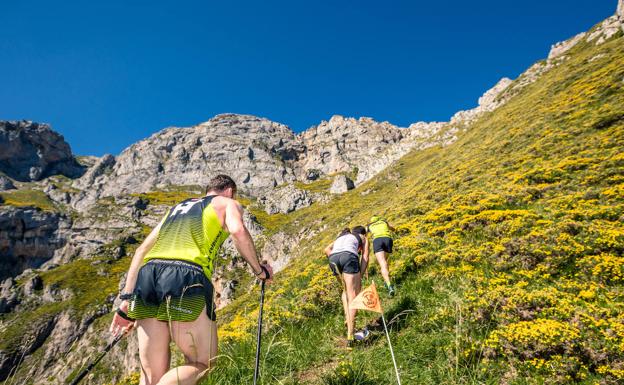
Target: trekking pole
x=86 y=370
x=259 y=339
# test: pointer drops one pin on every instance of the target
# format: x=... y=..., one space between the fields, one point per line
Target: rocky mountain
x=254 y=150
x=68 y=227
x=259 y=153
x=32 y=151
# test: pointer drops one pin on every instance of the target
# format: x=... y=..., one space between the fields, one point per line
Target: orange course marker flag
x=368 y=299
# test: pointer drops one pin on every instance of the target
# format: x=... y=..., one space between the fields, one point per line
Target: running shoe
x=362 y=334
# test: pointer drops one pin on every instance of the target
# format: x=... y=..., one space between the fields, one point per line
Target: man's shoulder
x=221 y=201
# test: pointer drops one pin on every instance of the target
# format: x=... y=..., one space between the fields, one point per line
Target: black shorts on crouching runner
x=382 y=244
x=344 y=262
x=171 y=290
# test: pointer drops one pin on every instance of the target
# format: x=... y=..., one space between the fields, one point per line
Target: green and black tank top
x=190 y=232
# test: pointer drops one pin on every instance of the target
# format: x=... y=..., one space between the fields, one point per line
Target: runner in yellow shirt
x=168 y=296
x=381 y=233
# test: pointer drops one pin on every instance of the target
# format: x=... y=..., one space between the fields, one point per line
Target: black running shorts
x=382 y=244
x=344 y=262
x=171 y=290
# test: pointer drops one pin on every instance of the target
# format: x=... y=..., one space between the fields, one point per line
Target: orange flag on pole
x=368 y=299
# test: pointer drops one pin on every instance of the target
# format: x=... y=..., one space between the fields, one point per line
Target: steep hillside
x=509 y=257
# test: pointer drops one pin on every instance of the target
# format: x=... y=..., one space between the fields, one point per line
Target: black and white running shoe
x=362 y=334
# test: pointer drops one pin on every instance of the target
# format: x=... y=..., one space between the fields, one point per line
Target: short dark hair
x=344 y=231
x=220 y=183
x=359 y=230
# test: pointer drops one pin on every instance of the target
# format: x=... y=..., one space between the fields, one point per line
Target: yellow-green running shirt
x=379 y=229
x=191 y=232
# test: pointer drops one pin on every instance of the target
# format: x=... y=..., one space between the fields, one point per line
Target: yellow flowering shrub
x=536 y=338
x=605 y=268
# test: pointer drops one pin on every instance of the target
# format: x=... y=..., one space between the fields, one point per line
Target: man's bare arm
x=138 y=257
x=119 y=324
x=365 y=255
x=328 y=249
x=240 y=235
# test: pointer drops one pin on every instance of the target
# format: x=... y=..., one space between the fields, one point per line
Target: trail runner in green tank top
x=381 y=234
x=168 y=296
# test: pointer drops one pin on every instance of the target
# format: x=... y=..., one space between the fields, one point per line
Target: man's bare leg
x=383 y=266
x=352 y=283
x=154 y=351
x=198 y=341
x=343 y=297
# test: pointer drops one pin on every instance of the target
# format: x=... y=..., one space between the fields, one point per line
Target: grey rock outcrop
x=346 y=145
x=562 y=47
x=6 y=183
x=100 y=167
x=227 y=291
x=286 y=199
x=32 y=151
x=598 y=35
x=606 y=30
x=28 y=238
x=92 y=180
x=100 y=224
x=56 y=194
x=489 y=101
x=363 y=146
x=256 y=152
x=8 y=296
x=280 y=248
x=32 y=284
x=341 y=184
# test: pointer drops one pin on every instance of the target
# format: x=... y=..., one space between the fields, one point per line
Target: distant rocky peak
x=597 y=35
x=31 y=151
x=241 y=123
x=489 y=101
x=255 y=151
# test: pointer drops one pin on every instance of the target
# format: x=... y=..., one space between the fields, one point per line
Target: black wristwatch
x=125 y=296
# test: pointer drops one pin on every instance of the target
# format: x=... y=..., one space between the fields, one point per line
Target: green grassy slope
x=509 y=253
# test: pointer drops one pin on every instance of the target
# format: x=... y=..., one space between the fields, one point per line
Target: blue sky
x=106 y=75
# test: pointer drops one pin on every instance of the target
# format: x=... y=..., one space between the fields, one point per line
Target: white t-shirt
x=347 y=242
